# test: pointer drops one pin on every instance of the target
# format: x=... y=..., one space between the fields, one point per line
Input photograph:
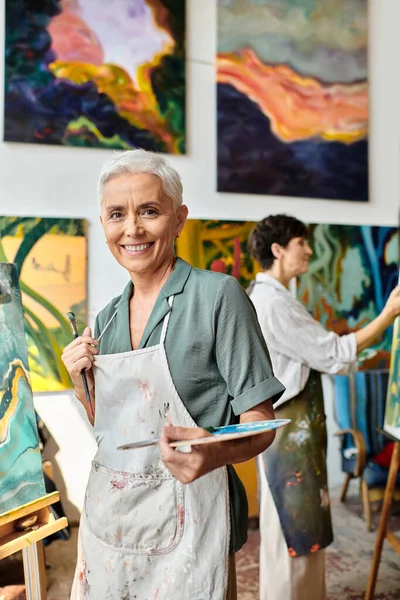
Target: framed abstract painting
x=96 y=73
x=292 y=98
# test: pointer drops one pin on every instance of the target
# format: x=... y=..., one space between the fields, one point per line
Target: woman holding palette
x=295 y=519
x=179 y=350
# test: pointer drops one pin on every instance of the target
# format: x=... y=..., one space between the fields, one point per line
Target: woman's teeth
x=137 y=248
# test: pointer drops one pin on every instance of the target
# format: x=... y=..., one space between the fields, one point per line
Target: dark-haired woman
x=295 y=519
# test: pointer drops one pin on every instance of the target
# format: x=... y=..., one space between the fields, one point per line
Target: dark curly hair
x=279 y=229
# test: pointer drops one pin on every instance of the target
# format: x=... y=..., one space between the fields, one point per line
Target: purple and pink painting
x=97 y=73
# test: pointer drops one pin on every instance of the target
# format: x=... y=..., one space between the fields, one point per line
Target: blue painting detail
x=21 y=477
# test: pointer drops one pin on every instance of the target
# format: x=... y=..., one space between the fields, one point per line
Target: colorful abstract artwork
x=21 y=476
x=50 y=255
x=96 y=73
x=218 y=246
x=292 y=98
x=392 y=412
x=351 y=274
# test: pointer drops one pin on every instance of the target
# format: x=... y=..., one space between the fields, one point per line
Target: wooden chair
x=360 y=400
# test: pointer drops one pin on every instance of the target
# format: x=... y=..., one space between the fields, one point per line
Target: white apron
x=144 y=535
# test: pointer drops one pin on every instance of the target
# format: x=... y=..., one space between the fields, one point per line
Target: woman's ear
x=182 y=216
x=276 y=250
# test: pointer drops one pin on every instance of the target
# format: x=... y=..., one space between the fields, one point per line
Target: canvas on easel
x=21 y=474
x=25 y=516
x=392 y=412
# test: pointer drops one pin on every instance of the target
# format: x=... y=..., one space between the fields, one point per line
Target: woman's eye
x=116 y=215
x=149 y=212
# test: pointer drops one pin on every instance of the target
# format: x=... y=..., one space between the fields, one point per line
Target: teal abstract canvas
x=21 y=475
x=351 y=273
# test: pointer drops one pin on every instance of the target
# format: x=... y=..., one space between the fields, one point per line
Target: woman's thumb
x=87 y=331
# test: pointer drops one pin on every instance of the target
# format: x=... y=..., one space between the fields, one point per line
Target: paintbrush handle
x=87 y=393
x=75 y=334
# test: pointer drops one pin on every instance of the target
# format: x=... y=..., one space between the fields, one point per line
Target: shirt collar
x=174 y=284
x=265 y=278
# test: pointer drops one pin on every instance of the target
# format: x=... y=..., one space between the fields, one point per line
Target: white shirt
x=295 y=340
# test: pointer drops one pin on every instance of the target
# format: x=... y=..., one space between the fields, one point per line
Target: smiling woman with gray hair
x=180 y=350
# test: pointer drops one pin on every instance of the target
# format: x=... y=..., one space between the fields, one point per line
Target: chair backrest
x=360 y=400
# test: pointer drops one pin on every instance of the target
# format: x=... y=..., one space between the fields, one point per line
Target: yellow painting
x=50 y=255
x=218 y=246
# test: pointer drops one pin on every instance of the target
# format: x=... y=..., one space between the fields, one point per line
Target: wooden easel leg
x=345 y=487
x=382 y=529
x=367 y=508
x=35 y=572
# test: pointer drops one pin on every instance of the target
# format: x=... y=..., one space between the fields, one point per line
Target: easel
x=383 y=531
x=24 y=529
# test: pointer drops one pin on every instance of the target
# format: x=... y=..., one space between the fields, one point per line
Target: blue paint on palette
x=250 y=427
x=21 y=477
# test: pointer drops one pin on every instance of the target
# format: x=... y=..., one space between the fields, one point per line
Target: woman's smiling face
x=140 y=222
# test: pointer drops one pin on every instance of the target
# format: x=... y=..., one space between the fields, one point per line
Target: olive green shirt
x=216 y=354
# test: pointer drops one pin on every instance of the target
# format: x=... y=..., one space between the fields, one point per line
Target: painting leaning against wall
x=292 y=98
x=96 y=73
x=351 y=274
x=21 y=477
x=50 y=255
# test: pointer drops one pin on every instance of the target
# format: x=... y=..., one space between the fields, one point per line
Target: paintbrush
x=72 y=322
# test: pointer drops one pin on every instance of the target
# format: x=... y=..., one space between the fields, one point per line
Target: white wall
x=57 y=181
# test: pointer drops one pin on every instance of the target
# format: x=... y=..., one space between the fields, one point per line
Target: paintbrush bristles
x=72 y=322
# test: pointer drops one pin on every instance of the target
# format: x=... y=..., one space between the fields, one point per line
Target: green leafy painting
x=50 y=257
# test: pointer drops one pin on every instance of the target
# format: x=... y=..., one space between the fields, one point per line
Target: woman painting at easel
x=295 y=519
x=179 y=343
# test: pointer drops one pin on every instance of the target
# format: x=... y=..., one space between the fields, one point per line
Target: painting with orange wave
x=292 y=98
x=51 y=258
x=96 y=73
x=351 y=273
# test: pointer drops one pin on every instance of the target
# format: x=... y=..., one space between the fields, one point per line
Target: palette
x=218 y=434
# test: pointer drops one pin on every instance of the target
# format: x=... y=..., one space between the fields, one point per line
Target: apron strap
x=166 y=321
x=106 y=327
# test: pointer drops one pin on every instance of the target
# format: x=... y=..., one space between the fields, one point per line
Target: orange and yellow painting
x=51 y=258
x=292 y=98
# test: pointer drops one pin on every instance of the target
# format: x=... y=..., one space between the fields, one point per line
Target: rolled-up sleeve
x=241 y=352
x=293 y=332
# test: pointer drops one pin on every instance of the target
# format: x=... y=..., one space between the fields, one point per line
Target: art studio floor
x=348 y=561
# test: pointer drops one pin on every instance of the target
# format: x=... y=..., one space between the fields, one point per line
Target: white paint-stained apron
x=143 y=534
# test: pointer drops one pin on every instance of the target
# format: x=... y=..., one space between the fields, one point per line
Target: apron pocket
x=136 y=513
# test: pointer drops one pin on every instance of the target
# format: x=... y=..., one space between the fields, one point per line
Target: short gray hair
x=142 y=161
